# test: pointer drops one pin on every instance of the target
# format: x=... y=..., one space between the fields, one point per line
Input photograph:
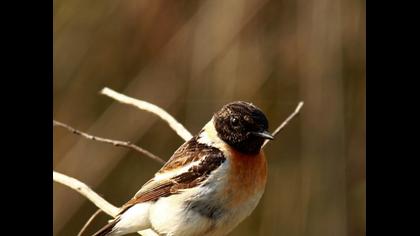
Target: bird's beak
x=264 y=135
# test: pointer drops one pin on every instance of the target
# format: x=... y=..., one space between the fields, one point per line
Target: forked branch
x=173 y=123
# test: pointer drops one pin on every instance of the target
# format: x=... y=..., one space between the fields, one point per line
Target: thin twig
x=173 y=123
x=83 y=189
x=110 y=141
x=282 y=125
x=89 y=221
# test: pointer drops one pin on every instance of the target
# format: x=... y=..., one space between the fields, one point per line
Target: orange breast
x=248 y=176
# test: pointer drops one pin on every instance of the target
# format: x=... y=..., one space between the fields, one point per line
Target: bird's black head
x=243 y=126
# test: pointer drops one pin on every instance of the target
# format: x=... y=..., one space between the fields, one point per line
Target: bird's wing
x=190 y=165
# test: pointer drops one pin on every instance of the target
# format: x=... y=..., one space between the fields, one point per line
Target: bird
x=210 y=184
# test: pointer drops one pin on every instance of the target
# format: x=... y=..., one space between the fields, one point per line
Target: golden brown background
x=192 y=57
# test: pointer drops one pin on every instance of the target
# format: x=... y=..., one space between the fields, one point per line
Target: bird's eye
x=234 y=121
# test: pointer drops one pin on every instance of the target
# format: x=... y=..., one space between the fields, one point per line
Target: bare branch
x=83 y=189
x=282 y=125
x=110 y=141
x=89 y=221
x=101 y=203
x=87 y=192
x=143 y=105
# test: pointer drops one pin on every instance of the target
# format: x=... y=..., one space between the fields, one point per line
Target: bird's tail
x=107 y=229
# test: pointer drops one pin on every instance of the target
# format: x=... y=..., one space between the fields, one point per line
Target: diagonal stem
x=110 y=141
x=282 y=125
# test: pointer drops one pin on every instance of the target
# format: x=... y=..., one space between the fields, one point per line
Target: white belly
x=201 y=211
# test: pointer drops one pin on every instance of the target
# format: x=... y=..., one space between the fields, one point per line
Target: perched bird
x=209 y=185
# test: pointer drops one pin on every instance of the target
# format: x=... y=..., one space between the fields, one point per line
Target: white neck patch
x=210 y=138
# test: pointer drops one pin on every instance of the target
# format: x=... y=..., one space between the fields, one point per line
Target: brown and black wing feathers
x=209 y=158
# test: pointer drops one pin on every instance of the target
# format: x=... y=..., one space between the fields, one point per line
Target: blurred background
x=191 y=58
